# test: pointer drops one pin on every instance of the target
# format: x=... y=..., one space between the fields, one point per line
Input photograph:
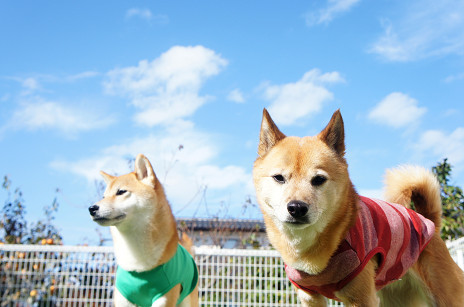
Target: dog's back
x=435 y=277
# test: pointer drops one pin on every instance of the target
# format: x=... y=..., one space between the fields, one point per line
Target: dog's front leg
x=120 y=300
x=169 y=299
x=361 y=292
x=191 y=300
x=311 y=300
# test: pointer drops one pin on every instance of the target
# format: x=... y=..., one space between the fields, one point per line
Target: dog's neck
x=309 y=250
x=142 y=244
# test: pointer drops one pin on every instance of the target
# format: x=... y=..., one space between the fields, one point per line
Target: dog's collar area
x=144 y=288
x=384 y=223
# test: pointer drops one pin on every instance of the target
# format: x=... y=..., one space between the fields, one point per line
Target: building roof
x=207 y=224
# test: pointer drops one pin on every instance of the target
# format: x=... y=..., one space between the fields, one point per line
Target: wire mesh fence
x=35 y=275
x=243 y=278
x=456 y=249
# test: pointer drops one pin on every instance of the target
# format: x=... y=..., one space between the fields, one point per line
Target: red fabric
x=397 y=234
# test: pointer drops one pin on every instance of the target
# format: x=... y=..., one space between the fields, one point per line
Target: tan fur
x=408 y=183
x=308 y=245
x=361 y=290
x=436 y=271
x=142 y=225
x=315 y=300
x=193 y=298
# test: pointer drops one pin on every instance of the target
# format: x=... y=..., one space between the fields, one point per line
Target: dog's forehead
x=122 y=181
x=301 y=154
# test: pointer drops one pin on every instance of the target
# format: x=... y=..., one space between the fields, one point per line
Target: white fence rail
x=32 y=275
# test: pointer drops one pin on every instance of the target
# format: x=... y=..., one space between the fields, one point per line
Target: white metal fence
x=33 y=275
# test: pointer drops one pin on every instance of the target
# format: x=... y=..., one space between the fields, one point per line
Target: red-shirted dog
x=338 y=244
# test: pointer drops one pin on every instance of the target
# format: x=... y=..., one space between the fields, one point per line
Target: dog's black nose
x=93 y=210
x=297 y=209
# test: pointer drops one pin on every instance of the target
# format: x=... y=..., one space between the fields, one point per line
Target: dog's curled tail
x=406 y=184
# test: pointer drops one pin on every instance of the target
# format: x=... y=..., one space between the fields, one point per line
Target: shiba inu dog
x=153 y=268
x=340 y=245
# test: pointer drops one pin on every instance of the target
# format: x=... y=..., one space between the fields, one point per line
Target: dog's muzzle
x=105 y=218
x=298 y=210
x=93 y=210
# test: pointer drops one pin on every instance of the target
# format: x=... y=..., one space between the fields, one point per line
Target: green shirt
x=144 y=288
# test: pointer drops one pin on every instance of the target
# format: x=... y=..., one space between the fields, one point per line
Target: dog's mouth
x=106 y=221
x=293 y=222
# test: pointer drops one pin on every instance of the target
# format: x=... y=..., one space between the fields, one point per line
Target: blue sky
x=85 y=86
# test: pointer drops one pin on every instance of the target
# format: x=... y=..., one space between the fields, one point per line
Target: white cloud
x=397 y=110
x=5 y=97
x=451 y=112
x=443 y=145
x=333 y=9
x=141 y=13
x=82 y=75
x=34 y=112
x=43 y=114
x=165 y=92
x=147 y=15
x=236 y=96
x=167 y=109
x=453 y=78
x=293 y=101
x=424 y=29
x=30 y=84
x=166 y=88
x=221 y=178
x=183 y=172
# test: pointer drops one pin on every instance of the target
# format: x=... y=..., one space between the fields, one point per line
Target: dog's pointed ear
x=144 y=170
x=106 y=177
x=334 y=134
x=269 y=135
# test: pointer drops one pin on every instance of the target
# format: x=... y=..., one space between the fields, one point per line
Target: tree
x=12 y=221
x=14 y=228
x=452 y=201
x=43 y=231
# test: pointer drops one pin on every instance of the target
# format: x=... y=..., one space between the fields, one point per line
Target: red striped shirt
x=392 y=231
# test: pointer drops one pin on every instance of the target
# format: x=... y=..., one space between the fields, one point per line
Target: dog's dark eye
x=279 y=178
x=120 y=192
x=318 y=180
